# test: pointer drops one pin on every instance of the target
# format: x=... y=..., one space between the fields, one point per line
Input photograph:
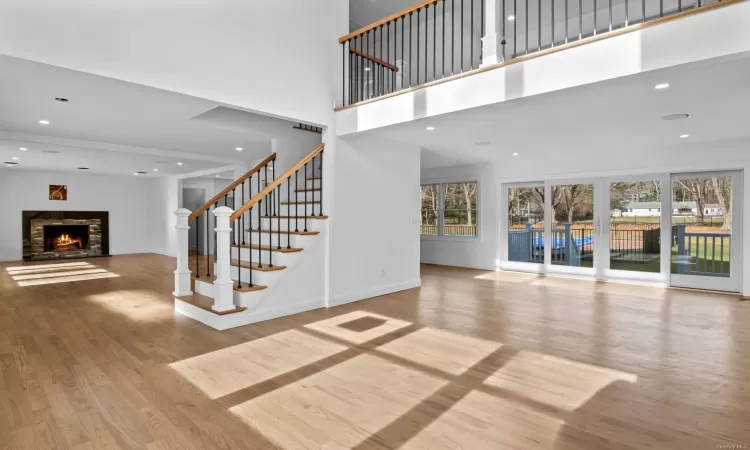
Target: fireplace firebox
x=65 y=238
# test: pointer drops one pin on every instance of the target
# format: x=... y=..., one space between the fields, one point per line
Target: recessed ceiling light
x=179 y=164
x=50 y=151
x=430 y=128
x=23 y=149
x=61 y=99
x=156 y=170
x=675 y=116
x=239 y=149
x=661 y=86
x=15 y=158
x=511 y=18
x=83 y=168
x=683 y=136
x=44 y=122
x=136 y=174
x=218 y=176
x=515 y=154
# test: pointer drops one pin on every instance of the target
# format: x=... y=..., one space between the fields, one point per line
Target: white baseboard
x=244 y=318
x=374 y=292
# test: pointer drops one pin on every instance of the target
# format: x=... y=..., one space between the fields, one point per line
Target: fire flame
x=64 y=240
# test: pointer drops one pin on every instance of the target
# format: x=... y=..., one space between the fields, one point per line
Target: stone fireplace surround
x=33 y=233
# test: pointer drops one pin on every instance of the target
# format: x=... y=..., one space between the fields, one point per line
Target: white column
x=182 y=274
x=223 y=285
x=491 y=38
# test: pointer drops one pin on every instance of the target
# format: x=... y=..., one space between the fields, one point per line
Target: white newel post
x=223 y=285
x=491 y=39
x=182 y=274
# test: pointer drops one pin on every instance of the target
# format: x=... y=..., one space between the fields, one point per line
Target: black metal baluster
x=515 y=29
x=260 y=237
x=553 y=23
x=388 y=55
x=270 y=234
x=343 y=74
x=306 y=196
x=643 y=8
x=216 y=205
x=382 y=67
x=288 y=212
x=250 y=246
x=365 y=62
x=434 y=40
x=471 y=40
x=208 y=238
x=265 y=182
x=453 y=37
x=198 y=247
x=566 y=21
x=320 y=205
x=403 y=19
x=539 y=23
x=610 y=14
x=502 y=28
x=580 y=19
x=595 y=18
x=461 y=63
x=278 y=217
x=356 y=72
x=442 y=49
x=296 y=201
x=626 y=13
x=661 y=14
x=526 y=28
x=418 y=34
x=273 y=195
x=426 y=38
x=411 y=43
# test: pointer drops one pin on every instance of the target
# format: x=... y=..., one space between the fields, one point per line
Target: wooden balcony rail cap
x=262 y=194
x=387 y=19
x=231 y=187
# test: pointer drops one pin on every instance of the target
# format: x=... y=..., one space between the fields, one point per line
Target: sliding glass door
x=705 y=230
x=672 y=230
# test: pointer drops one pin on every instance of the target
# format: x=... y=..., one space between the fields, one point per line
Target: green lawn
x=676 y=220
x=654 y=266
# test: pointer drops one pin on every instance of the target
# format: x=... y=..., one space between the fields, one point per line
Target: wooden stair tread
x=299 y=233
x=266 y=247
x=254 y=288
x=307 y=190
x=299 y=203
x=254 y=266
x=295 y=217
x=205 y=303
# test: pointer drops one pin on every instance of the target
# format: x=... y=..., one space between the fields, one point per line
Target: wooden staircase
x=254 y=246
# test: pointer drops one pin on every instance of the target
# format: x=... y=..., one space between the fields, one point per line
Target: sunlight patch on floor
x=339 y=407
x=558 y=382
x=42 y=274
x=508 y=277
x=333 y=327
x=448 y=352
x=66 y=279
x=228 y=370
x=140 y=305
x=483 y=421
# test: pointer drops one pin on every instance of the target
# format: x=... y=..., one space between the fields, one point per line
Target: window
x=428 y=220
x=460 y=209
x=449 y=209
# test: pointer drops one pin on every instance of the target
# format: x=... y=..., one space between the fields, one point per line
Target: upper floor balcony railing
x=438 y=40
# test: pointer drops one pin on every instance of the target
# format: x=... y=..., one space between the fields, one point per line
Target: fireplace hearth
x=65 y=234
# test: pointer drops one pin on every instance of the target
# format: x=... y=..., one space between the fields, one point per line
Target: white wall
x=128 y=201
x=715 y=33
x=372 y=197
x=478 y=252
x=277 y=57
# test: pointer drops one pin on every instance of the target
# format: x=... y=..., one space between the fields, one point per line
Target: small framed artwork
x=58 y=192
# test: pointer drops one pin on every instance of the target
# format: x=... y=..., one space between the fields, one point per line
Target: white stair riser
x=312 y=224
x=282 y=259
x=248 y=299
x=295 y=240
x=311 y=196
x=205 y=286
x=285 y=209
x=265 y=278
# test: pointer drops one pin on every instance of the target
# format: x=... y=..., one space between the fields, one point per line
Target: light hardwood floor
x=96 y=359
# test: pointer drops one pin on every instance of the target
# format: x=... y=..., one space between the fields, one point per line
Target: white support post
x=223 y=285
x=182 y=274
x=491 y=38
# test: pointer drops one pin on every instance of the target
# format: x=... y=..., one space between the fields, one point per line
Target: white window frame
x=441 y=212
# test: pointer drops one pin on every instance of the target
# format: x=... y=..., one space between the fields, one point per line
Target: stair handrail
x=231 y=187
x=277 y=182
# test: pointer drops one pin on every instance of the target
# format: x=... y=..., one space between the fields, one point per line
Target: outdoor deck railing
x=450 y=230
x=693 y=255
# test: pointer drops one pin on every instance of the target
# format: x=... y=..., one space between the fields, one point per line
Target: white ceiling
x=620 y=115
x=115 y=127
x=365 y=12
